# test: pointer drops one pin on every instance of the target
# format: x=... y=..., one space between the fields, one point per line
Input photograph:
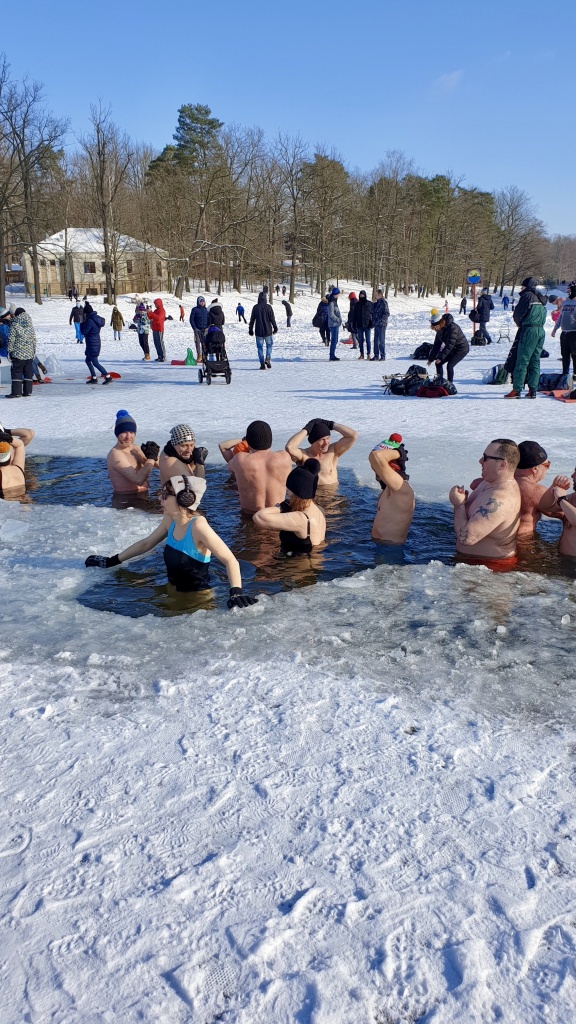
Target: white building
x=74 y=258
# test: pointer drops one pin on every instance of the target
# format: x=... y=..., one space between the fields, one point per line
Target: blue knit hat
x=124 y=422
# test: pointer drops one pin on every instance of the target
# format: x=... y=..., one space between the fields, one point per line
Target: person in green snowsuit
x=529 y=316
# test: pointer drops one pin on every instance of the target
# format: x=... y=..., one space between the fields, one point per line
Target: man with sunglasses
x=486 y=521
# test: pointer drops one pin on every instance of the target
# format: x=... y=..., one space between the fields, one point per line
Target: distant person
x=450 y=345
x=320 y=447
x=566 y=324
x=353 y=299
x=484 y=307
x=129 y=466
x=530 y=317
x=21 y=347
x=283 y=289
x=240 y=312
x=263 y=324
x=260 y=473
x=76 y=317
x=380 y=318
x=363 y=323
x=277 y=290
x=505 y=303
x=288 y=309
x=446 y=307
x=142 y=323
x=557 y=501
x=321 y=317
x=117 y=323
x=396 y=504
x=334 y=323
x=513 y=306
x=182 y=312
x=199 y=324
x=91 y=327
x=463 y=303
x=486 y=521
x=157 y=319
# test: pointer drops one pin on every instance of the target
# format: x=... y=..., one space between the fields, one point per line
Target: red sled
x=47 y=380
x=178 y=362
x=115 y=376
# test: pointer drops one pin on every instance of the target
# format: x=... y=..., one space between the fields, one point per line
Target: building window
x=61 y=263
x=42 y=263
x=52 y=263
x=129 y=266
x=158 y=269
x=89 y=268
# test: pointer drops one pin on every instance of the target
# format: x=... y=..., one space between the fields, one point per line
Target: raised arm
x=135 y=476
x=273 y=518
x=548 y=504
x=227 y=448
x=481 y=524
x=19 y=453
x=292 y=446
x=349 y=437
x=24 y=433
x=381 y=466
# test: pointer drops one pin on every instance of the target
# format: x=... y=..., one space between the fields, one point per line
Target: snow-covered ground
x=351 y=803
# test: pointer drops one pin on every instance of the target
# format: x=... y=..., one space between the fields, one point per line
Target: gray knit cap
x=182 y=434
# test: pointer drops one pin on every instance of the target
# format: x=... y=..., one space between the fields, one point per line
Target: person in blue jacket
x=484 y=307
x=91 y=327
x=505 y=302
x=240 y=312
x=199 y=323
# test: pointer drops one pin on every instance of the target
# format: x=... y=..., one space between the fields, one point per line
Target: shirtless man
x=260 y=473
x=13 y=461
x=532 y=468
x=486 y=521
x=318 y=432
x=557 y=501
x=180 y=456
x=396 y=504
x=128 y=465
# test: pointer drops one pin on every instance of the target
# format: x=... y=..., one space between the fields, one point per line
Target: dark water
x=140 y=587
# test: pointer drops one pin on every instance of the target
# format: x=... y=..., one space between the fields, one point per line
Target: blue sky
x=480 y=91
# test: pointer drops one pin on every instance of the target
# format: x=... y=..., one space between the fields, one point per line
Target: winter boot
x=267 y=364
x=513 y=394
x=92 y=380
x=107 y=379
x=262 y=366
x=531 y=393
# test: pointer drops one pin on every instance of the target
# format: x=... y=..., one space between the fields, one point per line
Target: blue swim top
x=186 y=545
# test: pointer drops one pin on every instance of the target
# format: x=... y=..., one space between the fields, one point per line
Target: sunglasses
x=497 y=458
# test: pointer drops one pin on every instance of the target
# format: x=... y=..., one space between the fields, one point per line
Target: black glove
x=310 y=424
x=102 y=561
x=329 y=424
x=6 y=435
x=151 y=450
x=238 y=599
x=251 y=333
x=199 y=455
x=274 y=330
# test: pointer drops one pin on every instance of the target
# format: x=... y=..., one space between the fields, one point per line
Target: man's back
x=261 y=478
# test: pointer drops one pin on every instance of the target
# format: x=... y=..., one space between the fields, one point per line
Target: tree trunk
x=36 y=273
x=2 y=267
x=179 y=287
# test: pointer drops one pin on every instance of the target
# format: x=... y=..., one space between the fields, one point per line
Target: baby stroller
x=214 y=359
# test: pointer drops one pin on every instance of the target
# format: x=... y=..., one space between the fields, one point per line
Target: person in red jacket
x=157 y=319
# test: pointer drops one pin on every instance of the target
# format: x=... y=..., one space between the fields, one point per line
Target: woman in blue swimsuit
x=190 y=542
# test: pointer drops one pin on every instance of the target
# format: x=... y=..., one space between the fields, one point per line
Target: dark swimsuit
x=187 y=568
x=289 y=542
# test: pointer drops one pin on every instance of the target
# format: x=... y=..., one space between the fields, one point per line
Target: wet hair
x=508 y=450
x=299 y=504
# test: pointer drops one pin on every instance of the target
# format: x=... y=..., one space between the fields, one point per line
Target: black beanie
x=124 y=422
x=531 y=454
x=320 y=429
x=259 y=435
x=88 y=308
x=303 y=480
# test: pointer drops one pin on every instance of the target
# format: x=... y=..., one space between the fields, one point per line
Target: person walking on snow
x=484 y=307
x=263 y=322
x=216 y=316
x=334 y=323
x=76 y=317
x=380 y=317
x=240 y=312
x=157 y=318
x=288 y=309
x=529 y=317
x=505 y=303
x=91 y=328
x=21 y=351
x=199 y=323
x=182 y=313
x=463 y=304
x=117 y=323
x=143 y=328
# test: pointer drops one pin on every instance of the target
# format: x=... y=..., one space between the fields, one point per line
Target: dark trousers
x=93 y=365
x=158 y=337
x=143 y=339
x=363 y=336
x=241 y=317
x=325 y=332
x=483 y=330
x=568 y=350
x=22 y=372
x=450 y=363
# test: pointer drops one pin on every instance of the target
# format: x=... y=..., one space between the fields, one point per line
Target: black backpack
x=423 y=351
x=408 y=384
x=478 y=339
x=554 y=382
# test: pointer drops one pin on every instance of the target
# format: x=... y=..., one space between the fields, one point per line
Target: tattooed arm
x=483 y=522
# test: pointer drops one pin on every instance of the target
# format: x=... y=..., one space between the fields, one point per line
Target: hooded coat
x=528 y=298
x=116 y=320
x=76 y=315
x=287 y=307
x=91 y=328
x=380 y=313
x=199 y=315
x=157 y=317
x=362 y=315
x=21 y=339
x=216 y=316
x=484 y=307
x=262 y=319
x=451 y=340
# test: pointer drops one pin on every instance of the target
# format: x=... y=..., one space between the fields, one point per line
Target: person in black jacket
x=484 y=307
x=263 y=321
x=76 y=317
x=216 y=316
x=362 y=319
x=450 y=344
x=288 y=309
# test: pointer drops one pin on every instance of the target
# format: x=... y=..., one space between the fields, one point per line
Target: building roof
x=88 y=242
